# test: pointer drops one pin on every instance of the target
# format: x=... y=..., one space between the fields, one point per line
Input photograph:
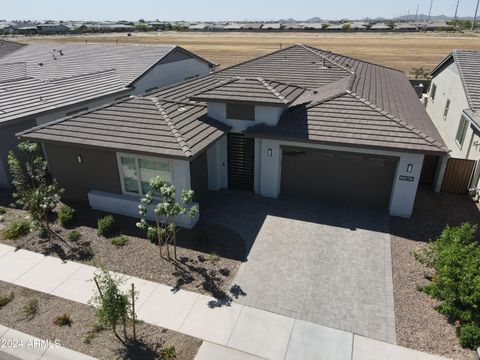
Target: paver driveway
x=326 y=264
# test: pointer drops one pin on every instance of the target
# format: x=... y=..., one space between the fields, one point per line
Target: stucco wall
x=263 y=114
x=98 y=170
x=217 y=162
x=268 y=173
x=167 y=73
x=449 y=86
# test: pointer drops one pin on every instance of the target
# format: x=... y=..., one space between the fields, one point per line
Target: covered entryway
x=353 y=178
x=241 y=155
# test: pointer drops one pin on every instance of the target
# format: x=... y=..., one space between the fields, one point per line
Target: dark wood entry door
x=241 y=159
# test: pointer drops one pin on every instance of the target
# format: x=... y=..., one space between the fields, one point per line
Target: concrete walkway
x=15 y=345
x=230 y=332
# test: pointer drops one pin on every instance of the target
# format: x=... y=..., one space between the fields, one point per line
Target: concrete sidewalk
x=229 y=332
x=16 y=345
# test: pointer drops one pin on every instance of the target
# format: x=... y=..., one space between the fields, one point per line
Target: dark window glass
x=241 y=112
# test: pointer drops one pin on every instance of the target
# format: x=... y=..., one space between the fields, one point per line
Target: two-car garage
x=347 y=177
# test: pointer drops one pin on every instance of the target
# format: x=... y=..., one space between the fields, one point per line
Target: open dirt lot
x=402 y=51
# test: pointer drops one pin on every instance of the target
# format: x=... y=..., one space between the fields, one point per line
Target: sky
x=206 y=10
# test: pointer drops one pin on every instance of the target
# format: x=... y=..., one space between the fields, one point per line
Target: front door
x=241 y=156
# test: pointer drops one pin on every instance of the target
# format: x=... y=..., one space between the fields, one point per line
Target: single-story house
x=380 y=27
x=454 y=105
x=299 y=122
x=44 y=82
x=53 y=28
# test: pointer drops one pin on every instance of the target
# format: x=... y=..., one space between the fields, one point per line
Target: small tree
x=33 y=192
x=113 y=305
x=166 y=210
x=419 y=73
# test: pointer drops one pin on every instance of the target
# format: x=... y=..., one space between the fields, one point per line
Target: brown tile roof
x=138 y=124
x=340 y=100
x=7 y=47
x=254 y=90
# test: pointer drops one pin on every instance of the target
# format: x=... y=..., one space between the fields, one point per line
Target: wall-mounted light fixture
x=409 y=168
x=270 y=152
x=79 y=158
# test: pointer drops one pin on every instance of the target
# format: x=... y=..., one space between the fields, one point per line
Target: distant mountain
x=287 y=21
x=423 y=17
x=314 y=20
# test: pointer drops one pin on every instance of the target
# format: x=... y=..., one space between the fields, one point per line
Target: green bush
x=74 y=235
x=30 y=309
x=152 y=235
x=16 y=229
x=120 y=241
x=455 y=257
x=5 y=299
x=106 y=226
x=3 y=211
x=66 y=216
x=63 y=320
x=168 y=353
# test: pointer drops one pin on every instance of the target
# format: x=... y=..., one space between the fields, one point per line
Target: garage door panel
x=360 y=179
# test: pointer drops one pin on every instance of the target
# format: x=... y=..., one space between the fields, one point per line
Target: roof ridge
x=392 y=117
x=316 y=103
x=78 y=75
x=183 y=144
x=163 y=100
x=272 y=90
x=356 y=59
x=327 y=59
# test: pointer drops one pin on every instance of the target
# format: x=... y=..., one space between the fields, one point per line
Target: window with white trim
x=433 y=91
x=137 y=171
x=462 y=131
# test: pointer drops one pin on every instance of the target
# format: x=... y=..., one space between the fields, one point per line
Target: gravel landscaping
x=103 y=345
x=205 y=264
x=418 y=324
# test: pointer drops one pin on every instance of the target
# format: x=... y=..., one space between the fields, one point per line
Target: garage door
x=353 y=178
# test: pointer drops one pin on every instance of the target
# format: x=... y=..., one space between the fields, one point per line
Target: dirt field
x=402 y=51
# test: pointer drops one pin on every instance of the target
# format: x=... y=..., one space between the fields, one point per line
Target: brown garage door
x=359 y=179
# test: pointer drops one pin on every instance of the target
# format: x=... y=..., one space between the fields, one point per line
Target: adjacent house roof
x=45 y=77
x=52 y=61
x=468 y=64
x=7 y=47
x=328 y=98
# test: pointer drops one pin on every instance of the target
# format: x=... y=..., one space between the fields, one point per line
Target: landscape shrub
x=63 y=320
x=168 y=353
x=74 y=235
x=5 y=299
x=120 y=241
x=106 y=226
x=43 y=233
x=455 y=258
x=16 y=229
x=66 y=216
x=152 y=235
x=213 y=259
x=3 y=211
x=30 y=309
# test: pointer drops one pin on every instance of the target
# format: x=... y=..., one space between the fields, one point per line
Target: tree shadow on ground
x=212 y=280
x=139 y=350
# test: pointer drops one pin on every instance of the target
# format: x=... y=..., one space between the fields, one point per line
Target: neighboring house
x=44 y=82
x=7 y=47
x=380 y=27
x=299 y=122
x=53 y=29
x=454 y=104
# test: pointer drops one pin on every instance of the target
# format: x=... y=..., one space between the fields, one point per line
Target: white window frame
x=463 y=120
x=137 y=165
x=433 y=92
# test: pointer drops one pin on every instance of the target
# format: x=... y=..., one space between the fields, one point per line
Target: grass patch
x=74 y=235
x=16 y=229
x=30 y=310
x=119 y=241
